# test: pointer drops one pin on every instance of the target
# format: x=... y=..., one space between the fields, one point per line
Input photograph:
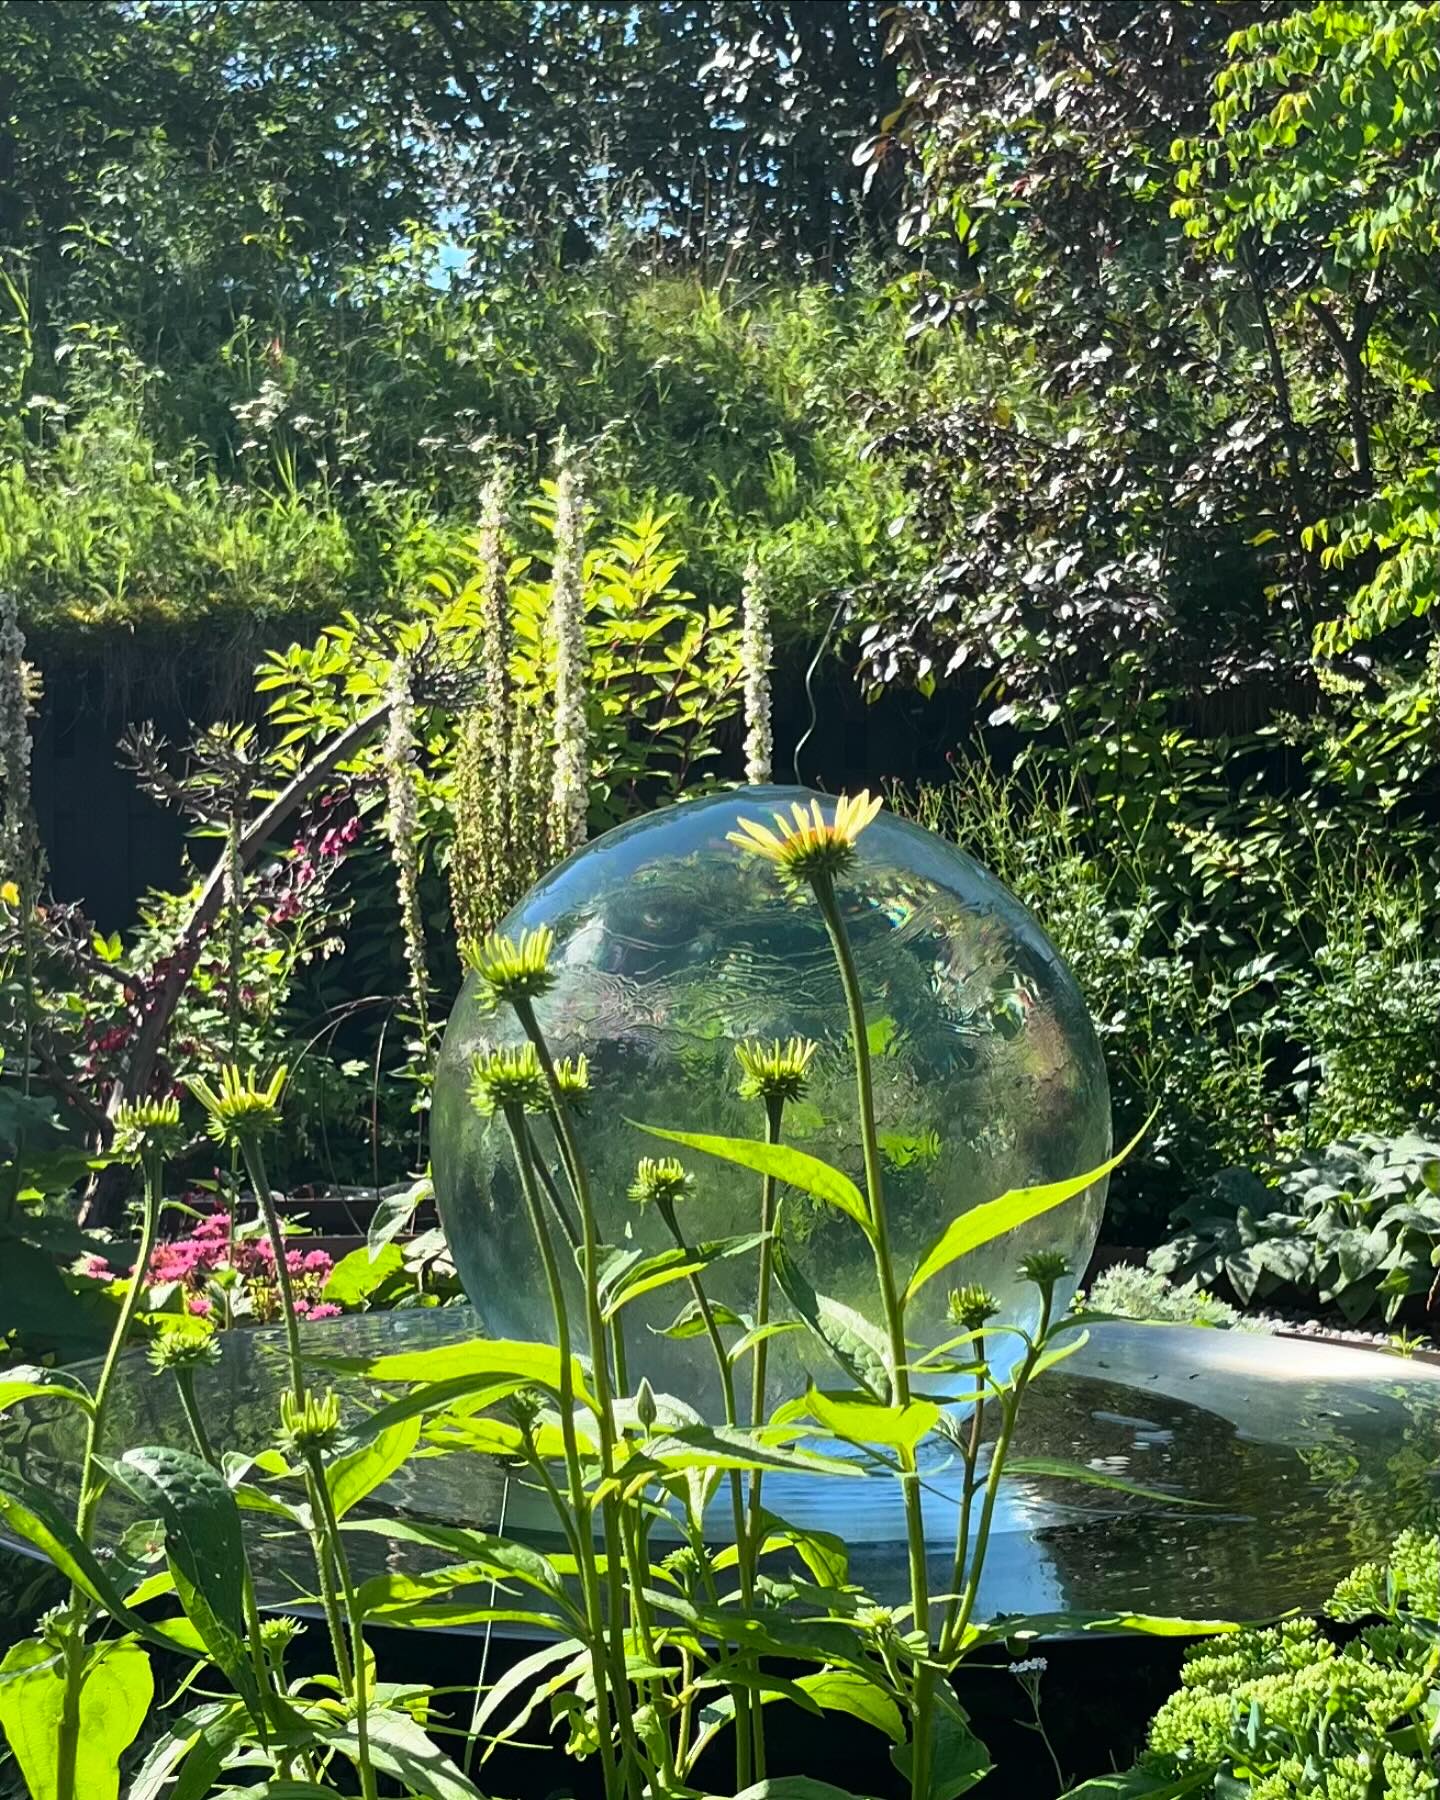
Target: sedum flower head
x=188 y=1343
x=240 y=1109
x=504 y=1079
x=774 y=1071
x=514 y=971
x=971 y=1306
x=145 y=1127
x=807 y=846
x=1045 y=1267
x=660 y=1181
x=309 y=1424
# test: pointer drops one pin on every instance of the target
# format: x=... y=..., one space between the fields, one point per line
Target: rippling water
x=1303 y=1459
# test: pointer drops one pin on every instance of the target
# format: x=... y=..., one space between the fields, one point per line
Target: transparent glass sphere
x=672 y=947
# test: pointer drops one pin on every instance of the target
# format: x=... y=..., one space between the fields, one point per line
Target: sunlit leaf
x=994 y=1218
x=784 y=1163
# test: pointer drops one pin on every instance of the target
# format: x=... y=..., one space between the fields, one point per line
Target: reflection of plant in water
x=1358 y=1487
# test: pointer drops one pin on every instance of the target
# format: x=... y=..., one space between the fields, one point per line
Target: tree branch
x=1351 y=351
x=136 y=1079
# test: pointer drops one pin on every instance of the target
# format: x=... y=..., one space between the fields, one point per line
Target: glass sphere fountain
x=1269 y=1466
x=672 y=947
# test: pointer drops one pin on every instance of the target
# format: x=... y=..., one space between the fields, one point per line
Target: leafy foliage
x=1261 y=980
x=1356 y=1226
x=1284 y=1712
x=1135 y=1293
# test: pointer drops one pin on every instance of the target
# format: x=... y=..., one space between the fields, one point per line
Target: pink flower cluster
x=319 y=847
x=192 y=1261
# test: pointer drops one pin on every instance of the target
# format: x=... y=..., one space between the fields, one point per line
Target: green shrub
x=1356 y=1226
x=1261 y=981
x=1136 y=1293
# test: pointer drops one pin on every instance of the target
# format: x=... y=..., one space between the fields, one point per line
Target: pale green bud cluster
x=146 y=1127
x=241 y=1108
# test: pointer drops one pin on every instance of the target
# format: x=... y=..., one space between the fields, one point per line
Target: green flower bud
x=240 y=1110
x=1045 y=1267
x=971 y=1306
x=146 y=1127
x=188 y=1343
x=513 y=971
x=660 y=1181
x=504 y=1079
x=313 y=1424
x=774 y=1071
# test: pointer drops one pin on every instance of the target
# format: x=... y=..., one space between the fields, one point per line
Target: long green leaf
x=735 y=1447
x=958 y=1759
x=204 y=1546
x=352 y=1478
x=278 y=1790
x=399 y=1748
x=848 y=1691
x=435 y=1396
x=666 y=1266
x=866 y=1422
x=520 y=1679
x=796 y=1787
x=30 y=1513
x=503 y=1558
x=782 y=1161
x=26 y=1382
x=525 y=1363
x=115 y=1696
x=1033 y=1625
x=984 y=1223
x=181 y=1744
x=856 y=1345
x=1138 y=1784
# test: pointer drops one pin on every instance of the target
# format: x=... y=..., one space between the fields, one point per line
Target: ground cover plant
x=1357 y=1225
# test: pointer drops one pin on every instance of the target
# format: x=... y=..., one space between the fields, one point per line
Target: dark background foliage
x=1074 y=363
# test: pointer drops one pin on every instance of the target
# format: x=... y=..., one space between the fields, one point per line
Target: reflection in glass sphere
x=671 y=947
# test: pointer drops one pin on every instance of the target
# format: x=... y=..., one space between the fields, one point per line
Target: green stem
x=967 y=1502
x=1010 y=1406
x=552 y=1194
x=68 y=1737
x=358 y=1657
x=579 y=1499
x=600 y=1369
x=329 y=1597
x=265 y=1200
x=185 y=1386
x=759 y=1357
x=744 y=1723
x=823 y=887
x=90 y=1492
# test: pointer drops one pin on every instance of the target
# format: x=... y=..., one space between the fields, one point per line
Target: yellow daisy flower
x=806 y=845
